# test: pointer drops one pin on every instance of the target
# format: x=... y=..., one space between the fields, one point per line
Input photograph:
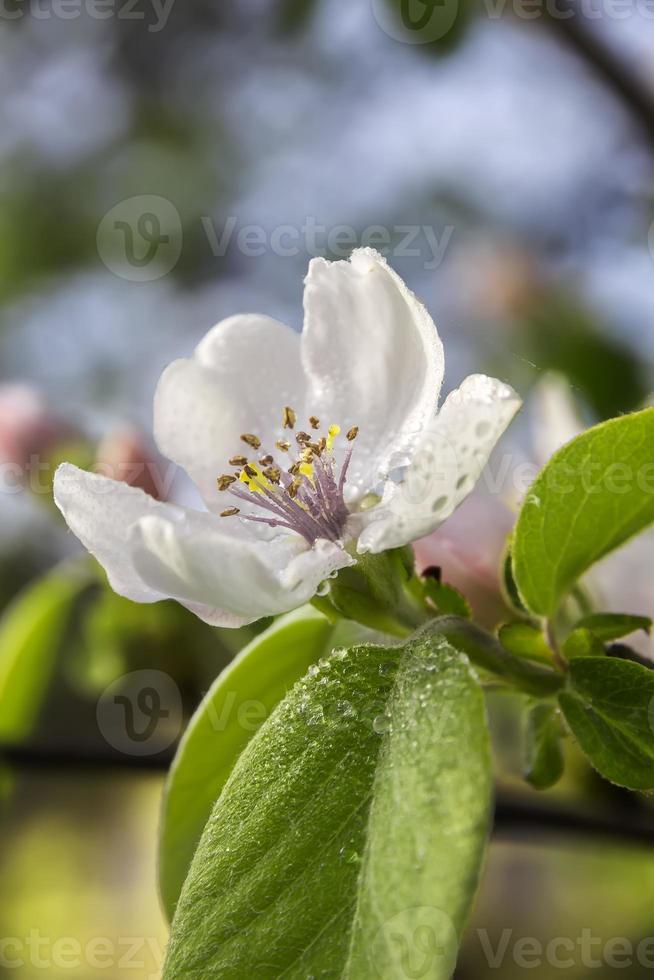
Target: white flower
x=371 y=463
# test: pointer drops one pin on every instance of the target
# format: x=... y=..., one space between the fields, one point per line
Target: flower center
x=304 y=493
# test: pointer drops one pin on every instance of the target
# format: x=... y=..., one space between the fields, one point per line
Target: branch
x=517 y=816
x=522 y=818
x=633 y=95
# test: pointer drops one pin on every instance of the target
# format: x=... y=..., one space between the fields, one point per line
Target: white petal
x=241 y=376
x=152 y=551
x=100 y=512
x=191 y=559
x=373 y=359
x=448 y=462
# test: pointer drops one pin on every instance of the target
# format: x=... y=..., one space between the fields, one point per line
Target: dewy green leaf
x=31 y=631
x=609 y=706
x=593 y=495
x=348 y=840
x=544 y=747
x=238 y=703
x=613 y=626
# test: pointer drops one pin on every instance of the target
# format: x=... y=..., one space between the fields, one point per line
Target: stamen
x=332 y=432
x=273 y=473
x=251 y=440
x=307 y=497
x=289 y=418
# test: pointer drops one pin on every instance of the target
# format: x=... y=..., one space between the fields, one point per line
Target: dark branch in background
x=517 y=817
x=610 y=69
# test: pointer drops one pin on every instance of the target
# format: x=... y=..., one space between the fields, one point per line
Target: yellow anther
x=254 y=479
x=306 y=469
x=251 y=440
x=289 y=418
x=283 y=444
x=332 y=432
x=225 y=481
x=314 y=422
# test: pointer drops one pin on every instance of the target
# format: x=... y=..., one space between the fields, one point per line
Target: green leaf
x=510 y=591
x=544 y=748
x=613 y=626
x=447 y=599
x=31 y=632
x=609 y=707
x=583 y=643
x=348 y=839
x=525 y=640
x=593 y=495
x=238 y=703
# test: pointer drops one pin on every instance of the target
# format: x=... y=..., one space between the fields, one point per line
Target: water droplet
x=381 y=725
x=323 y=589
x=323 y=663
x=315 y=715
x=345 y=709
x=313 y=670
x=386 y=667
x=349 y=855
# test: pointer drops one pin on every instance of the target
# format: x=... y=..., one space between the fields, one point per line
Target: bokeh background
x=166 y=165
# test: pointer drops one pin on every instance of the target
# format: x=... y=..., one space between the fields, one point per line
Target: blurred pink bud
x=126 y=455
x=28 y=427
x=468 y=548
